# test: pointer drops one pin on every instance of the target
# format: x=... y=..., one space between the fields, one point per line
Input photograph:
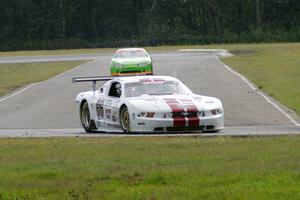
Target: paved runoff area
x=48 y=108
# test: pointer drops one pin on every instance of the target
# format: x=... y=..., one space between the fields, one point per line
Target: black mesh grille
x=131 y=71
x=184 y=114
x=159 y=129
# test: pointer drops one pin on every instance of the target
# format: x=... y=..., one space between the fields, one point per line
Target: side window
x=115 y=90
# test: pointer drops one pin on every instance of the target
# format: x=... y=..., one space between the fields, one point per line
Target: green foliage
x=54 y=24
x=150 y=168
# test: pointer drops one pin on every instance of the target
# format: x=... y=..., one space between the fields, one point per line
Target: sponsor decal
x=113 y=125
x=114 y=116
x=109 y=102
x=158 y=79
x=144 y=80
x=100 y=101
x=99 y=108
x=100 y=111
x=108 y=114
x=151 y=81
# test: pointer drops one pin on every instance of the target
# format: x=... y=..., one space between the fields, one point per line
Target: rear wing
x=93 y=79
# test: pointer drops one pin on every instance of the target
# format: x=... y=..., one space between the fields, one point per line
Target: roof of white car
x=130 y=79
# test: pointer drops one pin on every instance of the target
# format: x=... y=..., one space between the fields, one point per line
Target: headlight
x=146 y=114
x=142 y=64
x=167 y=115
x=216 y=111
x=201 y=113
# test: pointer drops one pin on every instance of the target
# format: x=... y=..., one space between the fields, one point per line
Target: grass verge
x=14 y=76
x=274 y=68
x=150 y=168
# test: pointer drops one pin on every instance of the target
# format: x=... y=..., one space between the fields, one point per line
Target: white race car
x=146 y=104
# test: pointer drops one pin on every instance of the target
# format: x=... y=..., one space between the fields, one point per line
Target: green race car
x=131 y=61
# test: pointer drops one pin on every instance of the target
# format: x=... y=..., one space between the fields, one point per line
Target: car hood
x=127 y=61
x=171 y=103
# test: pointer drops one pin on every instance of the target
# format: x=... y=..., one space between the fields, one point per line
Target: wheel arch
x=92 y=125
x=92 y=111
x=121 y=107
x=82 y=102
x=80 y=106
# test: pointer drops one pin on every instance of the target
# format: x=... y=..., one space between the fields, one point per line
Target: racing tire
x=86 y=122
x=125 y=119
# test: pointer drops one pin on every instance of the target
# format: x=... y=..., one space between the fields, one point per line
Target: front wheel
x=125 y=120
x=86 y=122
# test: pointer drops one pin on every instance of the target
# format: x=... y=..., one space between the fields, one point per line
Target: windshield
x=153 y=88
x=131 y=54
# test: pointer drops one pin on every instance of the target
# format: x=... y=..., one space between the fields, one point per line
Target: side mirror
x=119 y=92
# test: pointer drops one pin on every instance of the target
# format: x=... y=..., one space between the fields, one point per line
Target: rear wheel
x=86 y=122
x=125 y=119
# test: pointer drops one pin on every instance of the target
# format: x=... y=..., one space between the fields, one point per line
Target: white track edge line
x=34 y=84
x=259 y=92
x=18 y=92
x=72 y=69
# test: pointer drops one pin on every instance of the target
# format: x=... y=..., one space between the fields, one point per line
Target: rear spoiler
x=93 y=79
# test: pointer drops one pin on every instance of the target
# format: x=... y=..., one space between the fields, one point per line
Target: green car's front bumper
x=131 y=70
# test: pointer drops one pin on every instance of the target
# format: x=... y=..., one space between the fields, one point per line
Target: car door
x=100 y=107
x=112 y=100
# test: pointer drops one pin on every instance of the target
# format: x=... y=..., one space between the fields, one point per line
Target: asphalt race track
x=48 y=109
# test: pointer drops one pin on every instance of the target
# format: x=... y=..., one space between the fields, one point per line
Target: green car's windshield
x=153 y=88
x=131 y=54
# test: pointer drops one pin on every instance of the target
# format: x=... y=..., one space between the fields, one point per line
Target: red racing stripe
x=193 y=121
x=175 y=107
x=179 y=121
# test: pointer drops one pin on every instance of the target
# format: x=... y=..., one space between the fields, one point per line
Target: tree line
x=53 y=24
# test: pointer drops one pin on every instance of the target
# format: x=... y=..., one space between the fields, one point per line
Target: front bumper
x=131 y=73
x=131 y=70
x=211 y=123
